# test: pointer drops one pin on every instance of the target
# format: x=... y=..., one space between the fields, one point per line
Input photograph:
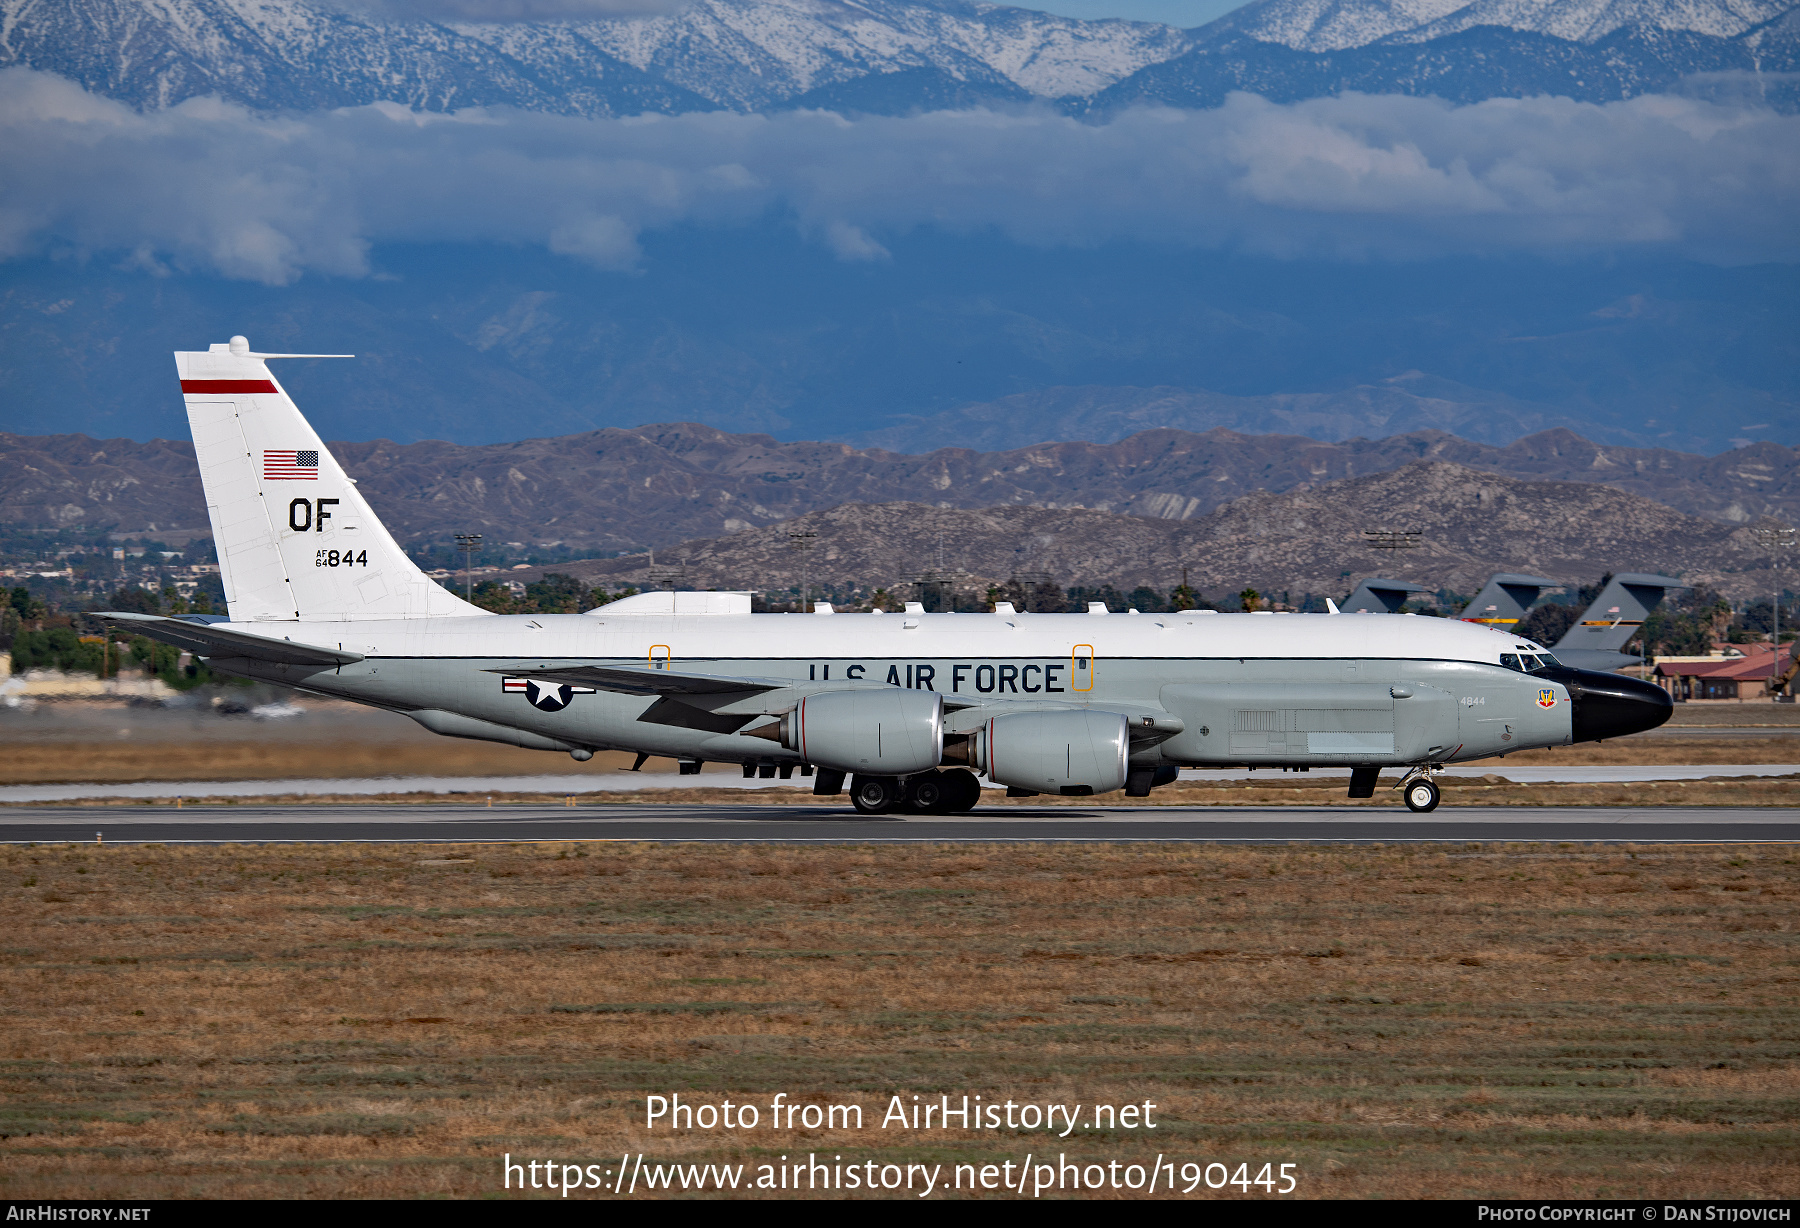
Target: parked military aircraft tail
x=1378 y=596
x=1609 y=623
x=1503 y=603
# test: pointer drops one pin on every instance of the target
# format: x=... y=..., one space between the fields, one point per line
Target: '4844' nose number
x=341 y=558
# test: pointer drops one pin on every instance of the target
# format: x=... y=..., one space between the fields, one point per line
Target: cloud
x=209 y=186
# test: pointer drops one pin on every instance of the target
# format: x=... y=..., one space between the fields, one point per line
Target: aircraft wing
x=641 y=680
x=211 y=640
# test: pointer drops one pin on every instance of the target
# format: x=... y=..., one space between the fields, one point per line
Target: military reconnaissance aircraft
x=909 y=706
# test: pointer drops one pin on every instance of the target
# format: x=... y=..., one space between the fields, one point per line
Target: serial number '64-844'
x=341 y=558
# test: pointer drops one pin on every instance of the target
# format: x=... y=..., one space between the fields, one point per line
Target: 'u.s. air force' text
x=988 y=678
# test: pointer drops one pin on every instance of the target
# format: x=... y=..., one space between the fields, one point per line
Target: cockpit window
x=1549 y=661
x=1509 y=660
x=1529 y=662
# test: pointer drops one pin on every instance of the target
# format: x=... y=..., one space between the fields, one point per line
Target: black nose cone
x=1611 y=705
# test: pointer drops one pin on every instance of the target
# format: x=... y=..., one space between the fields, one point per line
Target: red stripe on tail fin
x=227 y=387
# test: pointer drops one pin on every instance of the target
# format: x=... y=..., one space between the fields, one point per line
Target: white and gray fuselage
x=1199 y=689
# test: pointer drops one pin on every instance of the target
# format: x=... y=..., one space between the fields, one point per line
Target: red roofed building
x=1739 y=677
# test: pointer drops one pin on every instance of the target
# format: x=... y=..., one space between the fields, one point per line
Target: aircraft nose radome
x=1612 y=705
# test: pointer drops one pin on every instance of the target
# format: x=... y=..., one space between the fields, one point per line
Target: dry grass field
x=334 y=1021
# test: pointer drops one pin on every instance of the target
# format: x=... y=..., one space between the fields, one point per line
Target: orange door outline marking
x=1075 y=670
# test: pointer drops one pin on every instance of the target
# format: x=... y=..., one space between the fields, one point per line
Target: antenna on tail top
x=239 y=347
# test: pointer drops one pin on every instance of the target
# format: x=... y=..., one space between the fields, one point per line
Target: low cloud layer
x=206 y=186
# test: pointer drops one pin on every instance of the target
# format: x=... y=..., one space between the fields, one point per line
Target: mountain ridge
x=1410 y=401
x=888 y=56
x=655 y=486
x=1302 y=541
x=1339 y=25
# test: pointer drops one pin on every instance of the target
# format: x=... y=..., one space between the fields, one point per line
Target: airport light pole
x=802 y=540
x=468 y=543
x=1777 y=539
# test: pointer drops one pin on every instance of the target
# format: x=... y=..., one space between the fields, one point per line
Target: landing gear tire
x=961 y=790
x=1421 y=796
x=926 y=794
x=874 y=794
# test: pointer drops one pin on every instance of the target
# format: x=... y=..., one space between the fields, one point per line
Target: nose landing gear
x=1421 y=796
x=1419 y=791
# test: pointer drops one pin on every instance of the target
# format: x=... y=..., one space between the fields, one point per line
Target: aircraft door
x=659 y=656
x=1081 y=668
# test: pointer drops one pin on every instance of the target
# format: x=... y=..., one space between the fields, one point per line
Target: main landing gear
x=948 y=792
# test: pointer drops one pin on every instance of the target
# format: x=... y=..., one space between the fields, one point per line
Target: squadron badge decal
x=1546 y=698
x=545 y=696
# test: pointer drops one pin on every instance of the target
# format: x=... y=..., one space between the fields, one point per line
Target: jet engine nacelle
x=887 y=732
x=1075 y=751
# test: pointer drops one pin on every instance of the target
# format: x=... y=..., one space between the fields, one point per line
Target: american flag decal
x=291 y=466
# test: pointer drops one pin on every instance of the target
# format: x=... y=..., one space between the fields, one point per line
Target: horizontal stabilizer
x=641 y=680
x=213 y=640
x=1599 y=660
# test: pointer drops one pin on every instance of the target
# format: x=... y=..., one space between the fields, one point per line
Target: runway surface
x=467 y=822
x=578 y=784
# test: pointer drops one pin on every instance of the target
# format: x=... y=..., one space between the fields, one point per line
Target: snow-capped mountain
x=1326 y=25
x=1335 y=25
x=738 y=54
x=751 y=53
x=891 y=56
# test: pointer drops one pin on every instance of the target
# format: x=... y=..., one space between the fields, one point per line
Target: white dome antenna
x=239 y=347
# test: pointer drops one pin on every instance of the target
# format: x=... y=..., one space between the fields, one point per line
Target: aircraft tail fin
x=1505 y=600
x=296 y=539
x=1379 y=596
x=1617 y=613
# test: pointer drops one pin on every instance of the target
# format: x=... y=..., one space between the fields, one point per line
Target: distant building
x=1738 y=677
